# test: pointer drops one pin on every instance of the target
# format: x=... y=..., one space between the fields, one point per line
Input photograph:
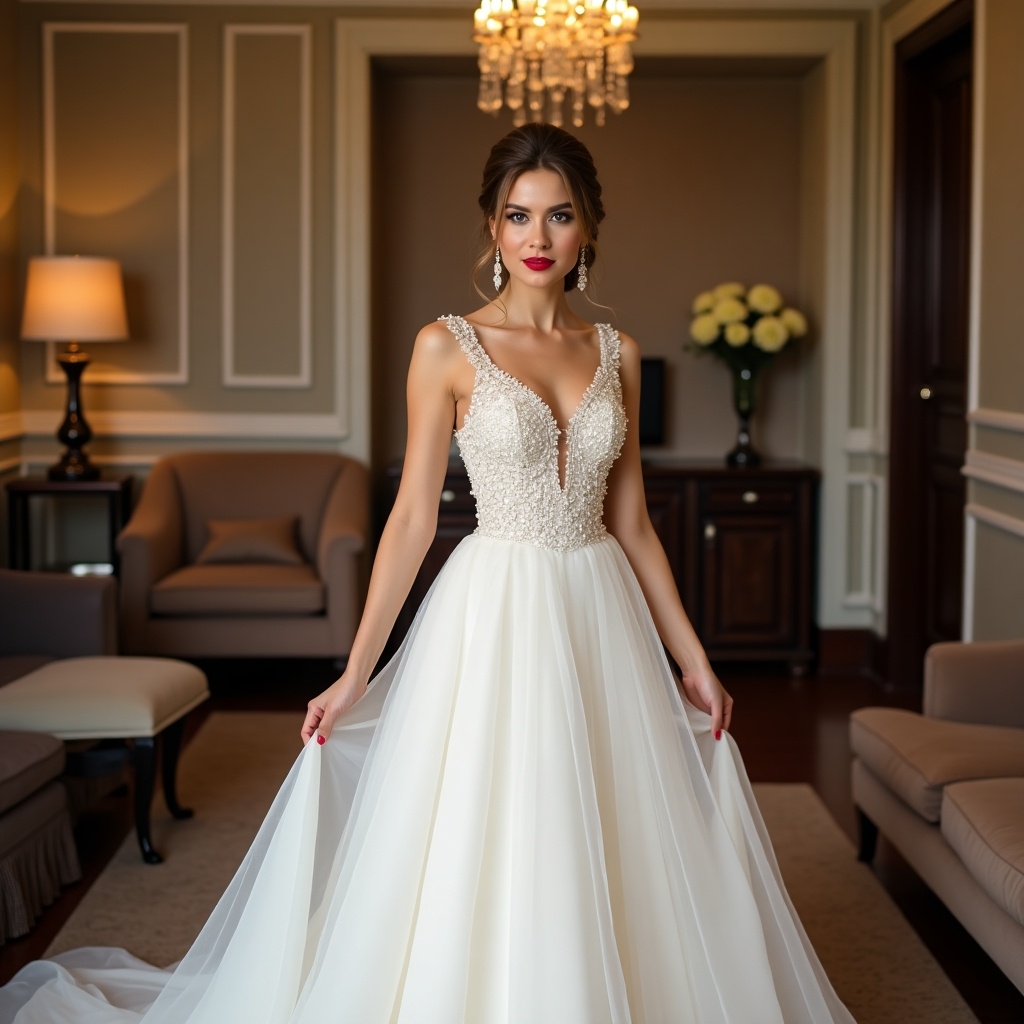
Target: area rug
x=230 y=772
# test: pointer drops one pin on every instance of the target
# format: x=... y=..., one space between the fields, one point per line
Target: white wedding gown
x=521 y=822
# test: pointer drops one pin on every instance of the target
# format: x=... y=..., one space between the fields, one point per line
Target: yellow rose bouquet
x=745 y=328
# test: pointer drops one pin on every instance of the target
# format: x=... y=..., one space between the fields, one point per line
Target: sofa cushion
x=239 y=590
x=28 y=761
x=916 y=756
x=14 y=666
x=983 y=822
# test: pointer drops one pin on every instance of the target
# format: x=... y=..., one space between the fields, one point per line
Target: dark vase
x=744 y=396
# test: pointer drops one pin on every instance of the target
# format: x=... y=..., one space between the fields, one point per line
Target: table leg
x=170 y=741
x=121 y=509
x=868 y=835
x=145 y=777
x=19 y=543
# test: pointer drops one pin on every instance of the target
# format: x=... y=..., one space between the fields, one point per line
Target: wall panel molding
x=119 y=462
x=303 y=377
x=51 y=30
x=872 y=490
x=225 y=426
x=999 y=419
x=1000 y=520
x=865 y=441
x=975 y=513
x=995 y=469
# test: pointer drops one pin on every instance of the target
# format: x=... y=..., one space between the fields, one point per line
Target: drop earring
x=497 y=270
x=581 y=270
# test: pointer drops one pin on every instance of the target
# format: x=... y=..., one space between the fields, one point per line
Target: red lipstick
x=539 y=263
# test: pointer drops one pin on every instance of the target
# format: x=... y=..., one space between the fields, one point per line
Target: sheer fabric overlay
x=521 y=822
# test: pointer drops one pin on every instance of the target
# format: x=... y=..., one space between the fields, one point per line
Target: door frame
x=894 y=29
x=904 y=439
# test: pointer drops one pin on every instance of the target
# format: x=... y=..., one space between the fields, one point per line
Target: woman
x=523 y=818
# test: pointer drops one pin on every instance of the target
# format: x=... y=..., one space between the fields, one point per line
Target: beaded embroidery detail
x=509 y=442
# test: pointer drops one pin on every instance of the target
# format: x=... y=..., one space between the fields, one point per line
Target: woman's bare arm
x=627 y=520
x=431 y=397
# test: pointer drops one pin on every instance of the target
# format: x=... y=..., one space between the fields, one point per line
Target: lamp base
x=73 y=465
x=74 y=432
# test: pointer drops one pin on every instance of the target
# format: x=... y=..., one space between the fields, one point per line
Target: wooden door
x=931 y=245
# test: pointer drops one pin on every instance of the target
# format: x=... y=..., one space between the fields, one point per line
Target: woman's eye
x=562 y=217
x=516 y=217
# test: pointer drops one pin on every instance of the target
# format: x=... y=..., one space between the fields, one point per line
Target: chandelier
x=574 y=48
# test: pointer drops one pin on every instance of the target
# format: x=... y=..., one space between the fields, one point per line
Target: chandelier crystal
x=577 y=49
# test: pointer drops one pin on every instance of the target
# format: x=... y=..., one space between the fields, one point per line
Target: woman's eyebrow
x=550 y=209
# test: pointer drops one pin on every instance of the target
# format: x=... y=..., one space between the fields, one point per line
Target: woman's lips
x=539 y=263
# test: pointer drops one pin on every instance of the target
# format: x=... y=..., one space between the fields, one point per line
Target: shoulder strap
x=466 y=337
x=609 y=347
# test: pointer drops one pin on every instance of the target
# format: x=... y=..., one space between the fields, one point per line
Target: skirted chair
x=245 y=554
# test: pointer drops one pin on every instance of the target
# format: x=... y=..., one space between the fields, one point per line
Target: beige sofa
x=260 y=602
x=946 y=787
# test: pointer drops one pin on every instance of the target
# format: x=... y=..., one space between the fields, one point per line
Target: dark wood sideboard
x=741 y=543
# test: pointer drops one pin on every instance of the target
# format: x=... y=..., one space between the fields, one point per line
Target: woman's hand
x=325 y=710
x=703 y=690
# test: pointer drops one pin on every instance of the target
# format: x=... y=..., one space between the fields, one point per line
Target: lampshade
x=74 y=298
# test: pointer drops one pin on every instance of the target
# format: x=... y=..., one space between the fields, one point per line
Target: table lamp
x=74 y=299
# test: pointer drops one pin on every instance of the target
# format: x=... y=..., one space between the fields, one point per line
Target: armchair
x=43 y=617
x=176 y=601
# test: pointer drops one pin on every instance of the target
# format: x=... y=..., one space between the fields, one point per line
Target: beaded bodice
x=510 y=443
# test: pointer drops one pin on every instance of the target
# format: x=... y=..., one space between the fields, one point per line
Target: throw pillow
x=251 y=540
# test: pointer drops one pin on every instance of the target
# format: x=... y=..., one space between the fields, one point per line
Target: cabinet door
x=665 y=506
x=748 y=582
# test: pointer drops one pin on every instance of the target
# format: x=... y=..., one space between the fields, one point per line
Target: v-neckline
x=533 y=394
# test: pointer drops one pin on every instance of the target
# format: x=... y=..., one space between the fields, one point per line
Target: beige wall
x=702 y=183
x=9 y=184
x=996 y=461
x=659 y=178
x=10 y=396
x=1001 y=364
x=141 y=171
x=169 y=80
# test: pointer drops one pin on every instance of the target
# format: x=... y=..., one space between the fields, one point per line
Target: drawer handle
x=710 y=531
x=751 y=497
x=447 y=495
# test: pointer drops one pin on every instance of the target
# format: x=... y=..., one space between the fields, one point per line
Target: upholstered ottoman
x=37 y=849
x=111 y=698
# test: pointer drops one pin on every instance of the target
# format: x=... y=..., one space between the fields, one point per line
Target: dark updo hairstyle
x=537 y=147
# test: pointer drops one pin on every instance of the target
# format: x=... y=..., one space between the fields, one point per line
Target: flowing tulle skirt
x=520 y=823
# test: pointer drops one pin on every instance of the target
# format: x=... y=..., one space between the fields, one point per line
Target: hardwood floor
x=789 y=730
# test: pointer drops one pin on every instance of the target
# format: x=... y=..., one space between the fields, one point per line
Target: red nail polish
x=718 y=734
x=321 y=740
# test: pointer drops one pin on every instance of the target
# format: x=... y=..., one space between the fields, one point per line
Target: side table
x=116 y=488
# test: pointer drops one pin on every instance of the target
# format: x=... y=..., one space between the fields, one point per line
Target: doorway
x=930 y=303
